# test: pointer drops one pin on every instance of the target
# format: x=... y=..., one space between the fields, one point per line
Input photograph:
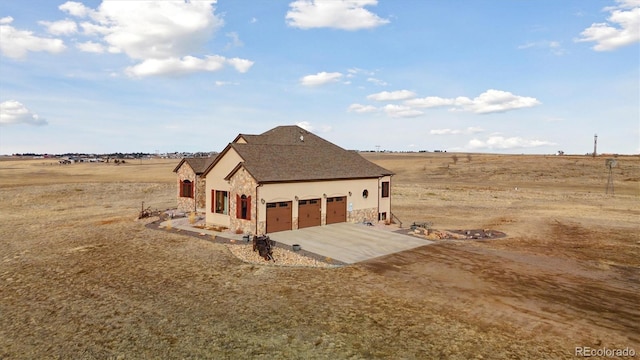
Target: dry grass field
x=80 y=278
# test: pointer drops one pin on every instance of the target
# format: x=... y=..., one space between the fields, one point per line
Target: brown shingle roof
x=199 y=165
x=281 y=155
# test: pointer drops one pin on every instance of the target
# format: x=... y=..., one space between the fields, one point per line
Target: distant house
x=285 y=179
x=191 y=184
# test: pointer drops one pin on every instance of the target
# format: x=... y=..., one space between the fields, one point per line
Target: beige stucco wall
x=215 y=181
x=385 y=203
x=358 y=208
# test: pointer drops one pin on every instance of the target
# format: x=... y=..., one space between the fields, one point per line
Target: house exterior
x=288 y=178
x=191 y=183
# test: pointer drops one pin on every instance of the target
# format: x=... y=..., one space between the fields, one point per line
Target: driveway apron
x=348 y=243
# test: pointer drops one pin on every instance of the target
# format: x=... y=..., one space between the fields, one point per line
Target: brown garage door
x=336 y=210
x=308 y=213
x=278 y=216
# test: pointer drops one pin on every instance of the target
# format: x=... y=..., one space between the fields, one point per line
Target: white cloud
x=361 y=109
x=474 y=130
x=622 y=28
x=75 y=9
x=392 y=95
x=241 y=65
x=163 y=36
x=62 y=27
x=490 y=101
x=429 y=102
x=91 y=47
x=235 y=40
x=377 y=81
x=320 y=78
x=176 y=66
x=16 y=43
x=339 y=14
x=444 y=132
x=13 y=112
x=307 y=126
x=401 y=111
x=497 y=142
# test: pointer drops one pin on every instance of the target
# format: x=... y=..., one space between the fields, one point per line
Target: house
x=191 y=183
x=288 y=178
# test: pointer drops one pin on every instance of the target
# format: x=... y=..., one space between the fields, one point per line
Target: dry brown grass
x=80 y=278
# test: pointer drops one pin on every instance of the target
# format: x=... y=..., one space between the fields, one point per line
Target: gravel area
x=282 y=257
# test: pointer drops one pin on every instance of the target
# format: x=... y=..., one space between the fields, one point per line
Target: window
x=186 y=188
x=385 y=189
x=243 y=207
x=222 y=202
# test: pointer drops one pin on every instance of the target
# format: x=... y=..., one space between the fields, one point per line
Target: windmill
x=610 y=164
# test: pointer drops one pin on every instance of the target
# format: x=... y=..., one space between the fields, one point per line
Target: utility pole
x=595 y=145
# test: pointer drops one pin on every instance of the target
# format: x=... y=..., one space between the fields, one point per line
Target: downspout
x=378 y=197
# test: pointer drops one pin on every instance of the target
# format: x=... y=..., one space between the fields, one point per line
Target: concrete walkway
x=348 y=243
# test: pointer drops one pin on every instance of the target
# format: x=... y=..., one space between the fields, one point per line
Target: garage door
x=336 y=210
x=278 y=216
x=308 y=213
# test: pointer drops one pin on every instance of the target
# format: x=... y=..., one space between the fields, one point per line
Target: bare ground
x=79 y=278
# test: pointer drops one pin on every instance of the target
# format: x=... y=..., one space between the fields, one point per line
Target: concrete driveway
x=348 y=243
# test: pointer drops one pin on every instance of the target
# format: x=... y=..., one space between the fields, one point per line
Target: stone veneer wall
x=185 y=172
x=361 y=215
x=242 y=184
x=201 y=193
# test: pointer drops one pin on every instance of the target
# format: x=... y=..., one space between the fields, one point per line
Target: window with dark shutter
x=186 y=188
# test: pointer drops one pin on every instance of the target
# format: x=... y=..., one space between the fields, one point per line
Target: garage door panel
x=279 y=216
x=336 y=209
x=309 y=212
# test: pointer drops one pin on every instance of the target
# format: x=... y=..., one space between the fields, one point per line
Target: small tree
x=468 y=157
x=454 y=157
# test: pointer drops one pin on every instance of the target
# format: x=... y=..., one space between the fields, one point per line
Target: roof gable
x=199 y=165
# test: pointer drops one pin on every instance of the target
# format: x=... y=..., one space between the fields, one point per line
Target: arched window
x=243 y=207
x=186 y=188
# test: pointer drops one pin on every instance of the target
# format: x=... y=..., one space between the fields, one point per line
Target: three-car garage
x=280 y=214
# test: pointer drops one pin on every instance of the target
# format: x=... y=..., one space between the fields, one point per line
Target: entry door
x=336 y=210
x=309 y=213
x=278 y=216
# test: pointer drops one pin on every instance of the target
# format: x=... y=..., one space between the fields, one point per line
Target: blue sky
x=407 y=75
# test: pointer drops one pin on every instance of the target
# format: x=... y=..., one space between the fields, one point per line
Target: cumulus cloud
x=91 y=47
x=338 y=14
x=497 y=142
x=62 y=27
x=392 y=95
x=75 y=8
x=163 y=36
x=175 y=66
x=16 y=43
x=401 y=111
x=13 y=112
x=491 y=101
x=307 y=126
x=320 y=78
x=361 y=109
x=621 y=29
